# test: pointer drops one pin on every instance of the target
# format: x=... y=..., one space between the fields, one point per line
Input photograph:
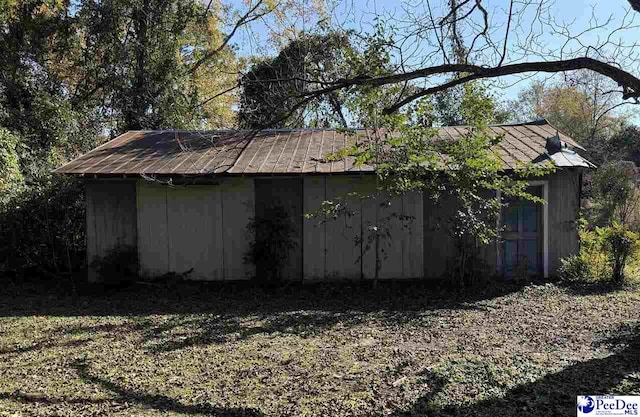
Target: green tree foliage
x=272 y=87
x=615 y=195
x=274 y=91
x=146 y=73
x=448 y=111
x=41 y=225
x=11 y=179
x=409 y=157
x=624 y=145
x=72 y=74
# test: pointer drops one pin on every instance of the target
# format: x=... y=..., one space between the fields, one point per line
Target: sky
x=579 y=14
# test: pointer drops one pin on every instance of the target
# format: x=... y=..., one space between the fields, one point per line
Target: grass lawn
x=316 y=351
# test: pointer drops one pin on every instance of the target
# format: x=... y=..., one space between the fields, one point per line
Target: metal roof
x=283 y=151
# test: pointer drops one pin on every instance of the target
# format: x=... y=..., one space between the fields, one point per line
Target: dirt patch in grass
x=316 y=351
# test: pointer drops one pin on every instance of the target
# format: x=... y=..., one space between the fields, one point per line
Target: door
x=522 y=236
x=285 y=193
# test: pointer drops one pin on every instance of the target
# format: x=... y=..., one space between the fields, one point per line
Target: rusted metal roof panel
x=281 y=151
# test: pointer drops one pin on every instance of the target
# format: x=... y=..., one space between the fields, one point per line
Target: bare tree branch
x=629 y=82
x=247 y=18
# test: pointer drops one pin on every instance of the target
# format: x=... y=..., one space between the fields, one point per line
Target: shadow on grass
x=127 y=396
x=205 y=313
x=43 y=344
x=595 y=287
x=243 y=298
x=555 y=394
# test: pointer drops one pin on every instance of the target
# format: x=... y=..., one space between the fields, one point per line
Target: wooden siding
x=564 y=204
x=413 y=236
x=342 y=255
x=438 y=244
x=314 y=244
x=199 y=230
x=204 y=227
x=195 y=231
x=331 y=249
x=238 y=206
x=111 y=219
x=153 y=228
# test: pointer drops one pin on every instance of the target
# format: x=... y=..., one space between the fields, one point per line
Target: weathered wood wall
x=344 y=248
x=202 y=228
x=438 y=244
x=111 y=219
x=564 y=204
x=197 y=229
x=285 y=193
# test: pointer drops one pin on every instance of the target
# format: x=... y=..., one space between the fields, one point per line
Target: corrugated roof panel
x=288 y=152
x=300 y=155
x=326 y=148
x=278 y=151
x=313 y=153
x=198 y=149
x=269 y=150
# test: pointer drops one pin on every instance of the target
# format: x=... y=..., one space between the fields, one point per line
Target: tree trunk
x=139 y=101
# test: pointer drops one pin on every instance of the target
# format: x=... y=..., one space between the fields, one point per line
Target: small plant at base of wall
x=272 y=241
x=118 y=267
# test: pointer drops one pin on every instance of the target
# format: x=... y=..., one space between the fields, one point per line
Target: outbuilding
x=183 y=200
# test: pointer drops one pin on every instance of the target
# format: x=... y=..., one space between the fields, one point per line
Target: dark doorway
x=286 y=193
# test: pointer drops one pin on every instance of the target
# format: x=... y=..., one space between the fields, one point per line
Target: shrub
x=120 y=265
x=605 y=252
x=621 y=245
x=616 y=197
x=273 y=239
x=575 y=268
x=42 y=229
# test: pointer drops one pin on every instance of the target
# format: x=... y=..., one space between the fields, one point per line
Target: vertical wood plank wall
x=438 y=245
x=564 y=203
x=238 y=206
x=331 y=250
x=199 y=230
x=111 y=219
x=153 y=228
x=342 y=254
x=202 y=228
x=285 y=193
x=314 y=245
x=195 y=231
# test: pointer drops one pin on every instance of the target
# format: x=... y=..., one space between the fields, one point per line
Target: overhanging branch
x=629 y=83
